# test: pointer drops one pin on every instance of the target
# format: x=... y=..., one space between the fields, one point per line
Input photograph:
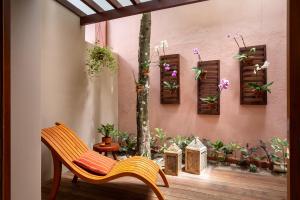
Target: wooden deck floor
x=216 y=183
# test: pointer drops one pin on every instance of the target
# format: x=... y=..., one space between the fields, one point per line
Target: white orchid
x=156 y=48
x=258 y=68
x=164 y=44
x=265 y=65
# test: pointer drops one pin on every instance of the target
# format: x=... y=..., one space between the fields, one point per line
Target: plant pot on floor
x=280 y=167
x=107 y=140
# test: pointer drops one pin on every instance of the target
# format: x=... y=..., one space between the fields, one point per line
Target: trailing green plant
x=107 y=130
x=99 y=58
x=279 y=147
x=260 y=88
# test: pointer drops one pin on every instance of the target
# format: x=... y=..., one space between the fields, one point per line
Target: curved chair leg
x=75 y=179
x=164 y=178
x=157 y=192
x=56 y=177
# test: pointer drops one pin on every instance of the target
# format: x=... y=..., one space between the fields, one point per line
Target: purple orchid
x=196 y=51
x=224 y=84
x=167 y=67
x=174 y=73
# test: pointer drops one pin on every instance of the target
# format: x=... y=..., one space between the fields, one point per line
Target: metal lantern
x=195 y=157
x=173 y=160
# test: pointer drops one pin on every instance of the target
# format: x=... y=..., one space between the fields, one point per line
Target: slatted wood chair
x=65 y=147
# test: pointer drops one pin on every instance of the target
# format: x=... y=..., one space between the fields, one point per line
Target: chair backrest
x=64 y=142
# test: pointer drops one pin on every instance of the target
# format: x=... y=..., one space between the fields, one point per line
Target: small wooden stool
x=113 y=148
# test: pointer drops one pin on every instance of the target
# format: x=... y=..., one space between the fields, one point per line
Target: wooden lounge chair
x=65 y=147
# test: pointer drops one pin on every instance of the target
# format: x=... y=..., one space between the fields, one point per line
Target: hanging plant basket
x=100 y=58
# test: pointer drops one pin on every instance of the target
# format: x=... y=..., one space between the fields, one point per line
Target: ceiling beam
x=134 y=2
x=95 y=7
x=114 y=3
x=135 y=9
x=71 y=7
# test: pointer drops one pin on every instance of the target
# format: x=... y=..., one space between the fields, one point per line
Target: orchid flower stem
x=243 y=40
x=199 y=57
x=236 y=42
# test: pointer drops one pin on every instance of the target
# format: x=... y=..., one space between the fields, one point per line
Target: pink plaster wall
x=206 y=25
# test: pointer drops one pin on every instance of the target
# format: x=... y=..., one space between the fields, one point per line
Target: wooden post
x=143 y=132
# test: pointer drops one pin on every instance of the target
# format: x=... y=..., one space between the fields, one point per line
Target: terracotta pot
x=107 y=140
x=264 y=164
x=203 y=75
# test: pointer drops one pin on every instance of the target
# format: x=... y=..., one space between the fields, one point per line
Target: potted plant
x=212 y=100
x=199 y=71
x=158 y=142
x=259 y=90
x=99 y=58
x=248 y=156
x=268 y=155
x=215 y=150
x=106 y=130
x=280 y=155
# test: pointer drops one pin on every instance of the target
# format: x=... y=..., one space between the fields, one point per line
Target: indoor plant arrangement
x=199 y=71
x=107 y=130
x=212 y=100
x=280 y=155
x=242 y=57
x=259 y=90
x=171 y=86
x=99 y=58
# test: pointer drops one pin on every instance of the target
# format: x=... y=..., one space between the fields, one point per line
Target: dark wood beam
x=95 y=7
x=114 y=3
x=134 y=2
x=294 y=98
x=71 y=7
x=5 y=100
x=135 y=9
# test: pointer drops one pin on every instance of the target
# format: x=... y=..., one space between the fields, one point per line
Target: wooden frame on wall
x=170 y=96
x=208 y=87
x=248 y=96
x=294 y=98
x=5 y=100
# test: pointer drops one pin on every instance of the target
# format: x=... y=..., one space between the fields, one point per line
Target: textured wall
x=206 y=25
x=67 y=95
x=25 y=99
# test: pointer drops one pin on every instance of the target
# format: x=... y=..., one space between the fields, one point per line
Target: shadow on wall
x=81 y=103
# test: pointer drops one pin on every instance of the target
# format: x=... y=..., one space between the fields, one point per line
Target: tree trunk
x=143 y=131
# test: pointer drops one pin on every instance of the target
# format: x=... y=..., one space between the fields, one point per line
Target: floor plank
x=216 y=183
